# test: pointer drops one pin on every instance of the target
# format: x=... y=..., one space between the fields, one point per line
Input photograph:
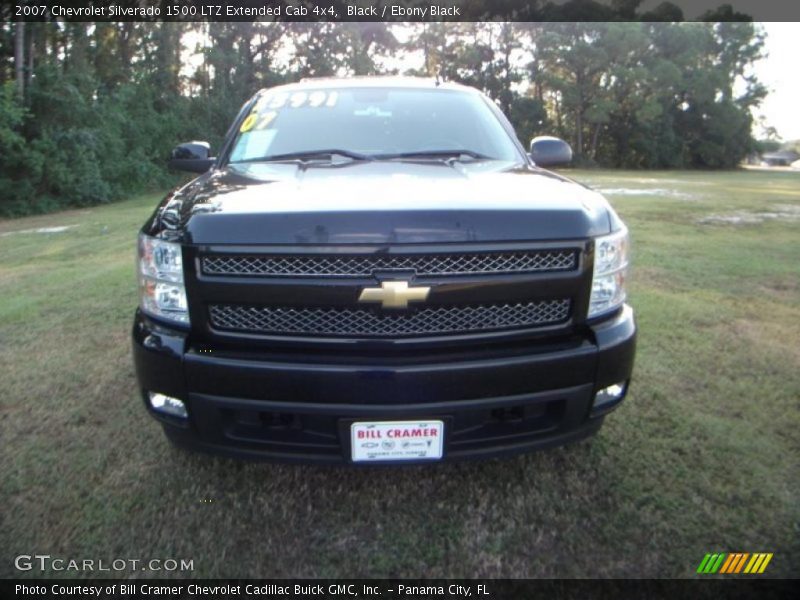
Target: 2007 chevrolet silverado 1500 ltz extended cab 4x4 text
x=374 y=271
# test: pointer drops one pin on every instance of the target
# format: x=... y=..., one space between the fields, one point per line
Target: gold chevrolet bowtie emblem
x=394 y=294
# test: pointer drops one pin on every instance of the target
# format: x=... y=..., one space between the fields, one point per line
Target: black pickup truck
x=375 y=271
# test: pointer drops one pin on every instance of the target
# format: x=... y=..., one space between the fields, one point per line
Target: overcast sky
x=780 y=73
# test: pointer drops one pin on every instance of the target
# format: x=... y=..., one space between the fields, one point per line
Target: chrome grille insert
x=361 y=265
x=371 y=322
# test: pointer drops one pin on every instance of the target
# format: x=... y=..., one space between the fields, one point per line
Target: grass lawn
x=703 y=457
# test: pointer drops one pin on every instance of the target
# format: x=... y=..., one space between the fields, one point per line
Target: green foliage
x=16 y=187
x=529 y=117
x=65 y=149
x=791 y=145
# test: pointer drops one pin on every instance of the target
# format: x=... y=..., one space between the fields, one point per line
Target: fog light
x=167 y=405
x=610 y=395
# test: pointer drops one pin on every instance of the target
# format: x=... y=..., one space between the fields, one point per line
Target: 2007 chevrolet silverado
x=375 y=271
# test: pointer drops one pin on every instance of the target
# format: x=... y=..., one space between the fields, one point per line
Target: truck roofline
x=386 y=81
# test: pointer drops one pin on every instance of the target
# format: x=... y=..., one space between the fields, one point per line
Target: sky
x=780 y=73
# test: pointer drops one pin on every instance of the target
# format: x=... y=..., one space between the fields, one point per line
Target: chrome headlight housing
x=161 y=288
x=611 y=255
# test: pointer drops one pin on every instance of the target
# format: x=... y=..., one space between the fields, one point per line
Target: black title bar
x=366 y=589
x=403 y=10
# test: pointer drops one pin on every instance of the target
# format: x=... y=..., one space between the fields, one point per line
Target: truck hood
x=379 y=203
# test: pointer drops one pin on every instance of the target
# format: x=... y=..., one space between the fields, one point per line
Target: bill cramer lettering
x=376 y=434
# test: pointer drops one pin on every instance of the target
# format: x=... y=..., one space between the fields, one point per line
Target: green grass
x=703 y=456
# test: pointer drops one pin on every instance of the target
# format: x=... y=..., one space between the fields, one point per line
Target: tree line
x=89 y=111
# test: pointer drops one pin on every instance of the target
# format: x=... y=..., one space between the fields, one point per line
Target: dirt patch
x=44 y=221
x=59 y=229
x=779 y=212
x=669 y=193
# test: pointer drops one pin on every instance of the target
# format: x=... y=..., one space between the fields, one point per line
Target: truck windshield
x=371 y=123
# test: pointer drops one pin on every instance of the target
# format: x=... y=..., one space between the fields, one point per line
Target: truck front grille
x=371 y=322
x=361 y=265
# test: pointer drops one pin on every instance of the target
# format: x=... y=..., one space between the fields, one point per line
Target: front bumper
x=292 y=408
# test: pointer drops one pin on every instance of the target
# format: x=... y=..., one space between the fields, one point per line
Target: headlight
x=610 y=272
x=161 y=280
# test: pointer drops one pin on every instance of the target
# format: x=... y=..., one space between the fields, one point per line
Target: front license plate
x=396 y=440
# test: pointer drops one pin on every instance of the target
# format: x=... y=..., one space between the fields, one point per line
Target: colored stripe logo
x=734 y=563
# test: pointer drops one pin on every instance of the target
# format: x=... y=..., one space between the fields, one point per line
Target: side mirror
x=191 y=156
x=547 y=151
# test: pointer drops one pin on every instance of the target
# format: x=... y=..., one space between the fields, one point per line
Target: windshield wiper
x=457 y=155
x=306 y=155
x=331 y=153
